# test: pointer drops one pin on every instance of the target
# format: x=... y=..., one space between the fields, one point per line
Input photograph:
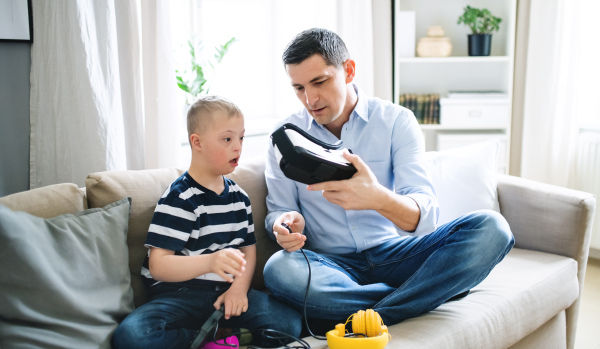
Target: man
x=372 y=240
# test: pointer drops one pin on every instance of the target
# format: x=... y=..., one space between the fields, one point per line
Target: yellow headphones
x=367 y=323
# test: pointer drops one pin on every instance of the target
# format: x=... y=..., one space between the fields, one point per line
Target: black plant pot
x=480 y=44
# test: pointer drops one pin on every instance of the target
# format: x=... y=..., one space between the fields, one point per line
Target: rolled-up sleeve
x=410 y=175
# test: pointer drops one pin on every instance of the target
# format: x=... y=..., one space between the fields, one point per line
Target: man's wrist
x=383 y=198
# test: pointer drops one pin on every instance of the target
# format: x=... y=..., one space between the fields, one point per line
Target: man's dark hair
x=316 y=40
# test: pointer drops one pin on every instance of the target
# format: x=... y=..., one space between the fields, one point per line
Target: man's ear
x=349 y=68
x=195 y=142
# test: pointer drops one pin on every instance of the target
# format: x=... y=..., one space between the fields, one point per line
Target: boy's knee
x=293 y=326
x=125 y=336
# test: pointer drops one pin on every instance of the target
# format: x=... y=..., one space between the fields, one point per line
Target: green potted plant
x=195 y=73
x=482 y=23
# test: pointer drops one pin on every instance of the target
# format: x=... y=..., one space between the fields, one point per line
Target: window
x=252 y=73
x=588 y=108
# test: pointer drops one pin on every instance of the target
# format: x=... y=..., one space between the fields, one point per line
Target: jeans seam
x=399 y=288
x=420 y=251
x=416 y=271
x=337 y=265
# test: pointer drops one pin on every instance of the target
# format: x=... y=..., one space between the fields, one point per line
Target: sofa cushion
x=464 y=179
x=523 y=292
x=64 y=280
x=47 y=202
x=144 y=188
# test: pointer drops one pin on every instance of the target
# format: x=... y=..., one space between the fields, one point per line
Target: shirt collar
x=361 y=109
x=362 y=106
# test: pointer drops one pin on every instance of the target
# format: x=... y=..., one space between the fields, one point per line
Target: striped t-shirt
x=193 y=220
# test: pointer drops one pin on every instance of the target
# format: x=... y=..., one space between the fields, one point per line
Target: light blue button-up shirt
x=388 y=139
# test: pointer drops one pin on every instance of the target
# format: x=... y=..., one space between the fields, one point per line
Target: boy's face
x=222 y=143
x=320 y=87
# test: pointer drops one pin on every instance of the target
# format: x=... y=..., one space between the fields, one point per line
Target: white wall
x=382 y=45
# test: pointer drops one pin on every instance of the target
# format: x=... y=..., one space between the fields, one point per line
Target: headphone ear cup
x=367 y=323
x=358 y=322
x=377 y=324
x=372 y=323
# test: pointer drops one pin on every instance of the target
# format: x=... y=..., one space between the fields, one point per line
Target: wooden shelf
x=454 y=59
x=436 y=127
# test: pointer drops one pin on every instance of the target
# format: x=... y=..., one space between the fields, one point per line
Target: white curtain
x=162 y=114
x=89 y=83
x=550 y=111
x=355 y=26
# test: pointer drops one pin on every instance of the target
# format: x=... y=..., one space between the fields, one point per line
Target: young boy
x=201 y=242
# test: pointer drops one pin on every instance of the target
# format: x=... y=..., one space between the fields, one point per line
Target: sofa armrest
x=546 y=217
x=551 y=219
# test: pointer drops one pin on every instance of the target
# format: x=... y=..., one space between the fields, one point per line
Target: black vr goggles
x=305 y=159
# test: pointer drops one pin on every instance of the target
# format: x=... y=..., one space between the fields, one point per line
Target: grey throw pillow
x=64 y=281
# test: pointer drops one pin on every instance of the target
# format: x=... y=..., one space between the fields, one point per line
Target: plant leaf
x=223 y=49
x=480 y=21
x=192 y=78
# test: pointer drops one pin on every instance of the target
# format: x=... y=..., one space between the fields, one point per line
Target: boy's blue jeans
x=173 y=316
x=399 y=279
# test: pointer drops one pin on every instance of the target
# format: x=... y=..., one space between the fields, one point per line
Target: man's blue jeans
x=399 y=279
x=173 y=316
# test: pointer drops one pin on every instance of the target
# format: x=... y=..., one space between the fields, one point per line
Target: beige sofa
x=530 y=300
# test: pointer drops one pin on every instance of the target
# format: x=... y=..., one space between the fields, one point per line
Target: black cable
x=268 y=332
x=306 y=319
x=307 y=290
x=306 y=299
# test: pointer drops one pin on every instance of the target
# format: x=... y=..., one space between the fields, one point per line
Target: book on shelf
x=425 y=107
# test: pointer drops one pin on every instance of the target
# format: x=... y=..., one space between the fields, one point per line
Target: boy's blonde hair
x=204 y=110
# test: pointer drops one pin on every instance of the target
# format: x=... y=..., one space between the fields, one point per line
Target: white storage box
x=481 y=113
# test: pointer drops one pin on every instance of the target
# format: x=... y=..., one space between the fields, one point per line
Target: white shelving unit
x=459 y=72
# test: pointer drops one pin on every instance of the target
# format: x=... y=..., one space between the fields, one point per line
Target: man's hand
x=361 y=192
x=227 y=261
x=294 y=241
x=235 y=301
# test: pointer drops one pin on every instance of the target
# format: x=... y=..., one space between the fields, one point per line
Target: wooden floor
x=588 y=325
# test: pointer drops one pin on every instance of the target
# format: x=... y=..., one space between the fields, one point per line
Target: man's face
x=320 y=87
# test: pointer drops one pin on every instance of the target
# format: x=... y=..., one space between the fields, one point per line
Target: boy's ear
x=195 y=142
x=349 y=68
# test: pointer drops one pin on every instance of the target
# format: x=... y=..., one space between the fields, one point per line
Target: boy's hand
x=235 y=301
x=294 y=241
x=228 y=261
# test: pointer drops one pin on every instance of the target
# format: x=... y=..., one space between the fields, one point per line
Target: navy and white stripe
x=192 y=220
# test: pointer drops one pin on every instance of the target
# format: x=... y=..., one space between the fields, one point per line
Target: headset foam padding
x=367 y=322
x=358 y=323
